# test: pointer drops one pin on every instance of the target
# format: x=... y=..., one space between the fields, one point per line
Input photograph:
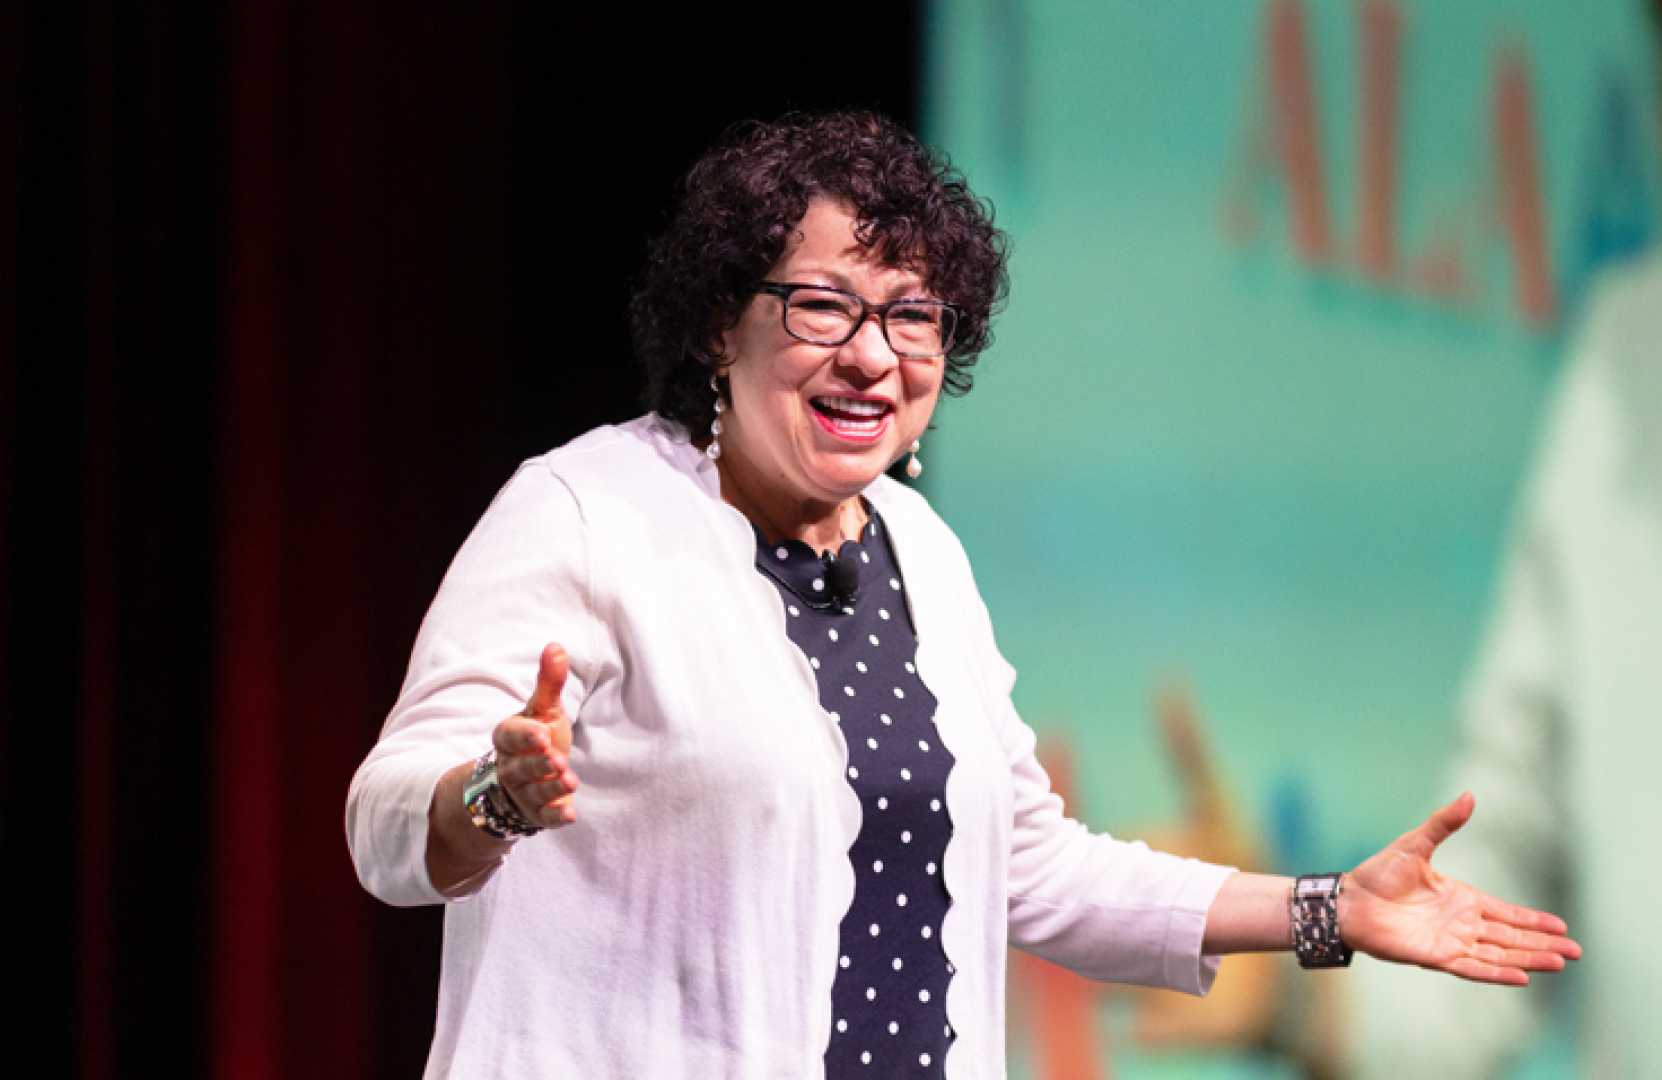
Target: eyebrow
x=911 y=290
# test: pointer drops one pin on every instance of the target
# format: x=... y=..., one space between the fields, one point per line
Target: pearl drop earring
x=914 y=467
x=713 y=451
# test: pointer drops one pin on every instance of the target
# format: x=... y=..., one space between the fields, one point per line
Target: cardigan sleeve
x=1105 y=908
x=520 y=581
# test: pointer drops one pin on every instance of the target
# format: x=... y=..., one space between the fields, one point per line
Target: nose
x=868 y=350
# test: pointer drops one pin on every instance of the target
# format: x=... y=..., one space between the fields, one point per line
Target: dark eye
x=820 y=303
x=921 y=314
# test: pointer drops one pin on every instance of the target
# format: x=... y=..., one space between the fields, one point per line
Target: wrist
x=1345 y=904
x=460 y=857
x=489 y=807
x=1315 y=911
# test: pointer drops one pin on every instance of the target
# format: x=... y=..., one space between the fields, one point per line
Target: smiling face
x=810 y=426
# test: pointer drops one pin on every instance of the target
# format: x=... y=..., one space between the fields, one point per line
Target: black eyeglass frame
x=784 y=289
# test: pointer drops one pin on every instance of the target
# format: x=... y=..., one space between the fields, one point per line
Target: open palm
x=1396 y=906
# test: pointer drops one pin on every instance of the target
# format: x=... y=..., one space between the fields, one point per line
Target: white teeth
x=853 y=406
x=860 y=426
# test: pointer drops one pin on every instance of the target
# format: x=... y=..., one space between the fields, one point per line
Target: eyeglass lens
x=827 y=317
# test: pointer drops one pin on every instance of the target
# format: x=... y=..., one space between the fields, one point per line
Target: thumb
x=1442 y=824
x=552 y=669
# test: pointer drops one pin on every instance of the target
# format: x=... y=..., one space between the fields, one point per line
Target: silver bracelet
x=489 y=807
x=1314 y=907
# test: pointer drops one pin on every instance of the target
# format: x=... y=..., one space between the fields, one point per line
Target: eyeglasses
x=821 y=315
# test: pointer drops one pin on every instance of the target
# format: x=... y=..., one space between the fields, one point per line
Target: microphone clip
x=842 y=579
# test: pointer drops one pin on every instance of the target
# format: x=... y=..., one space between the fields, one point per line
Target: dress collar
x=808 y=574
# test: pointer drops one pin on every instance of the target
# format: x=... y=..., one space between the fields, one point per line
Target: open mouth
x=853 y=418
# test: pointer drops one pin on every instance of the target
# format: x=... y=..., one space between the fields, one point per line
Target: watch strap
x=1315 y=917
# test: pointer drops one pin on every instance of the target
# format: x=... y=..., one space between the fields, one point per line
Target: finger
x=1510 y=937
x=1482 y=971
x=548 y=813
x=552 y=789
x=520 y=770
x=552 y=668
x=1522 y=917
x=547 y=802
x=519 y=736
x=558 y=813
x=1442 y=824
x=1522 y=959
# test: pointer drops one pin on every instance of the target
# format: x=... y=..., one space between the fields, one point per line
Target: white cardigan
x=687 y=924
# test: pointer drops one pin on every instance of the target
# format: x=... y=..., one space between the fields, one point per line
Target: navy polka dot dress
x=888 y=1001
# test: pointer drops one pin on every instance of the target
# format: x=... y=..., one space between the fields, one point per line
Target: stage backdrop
x=1290 y=285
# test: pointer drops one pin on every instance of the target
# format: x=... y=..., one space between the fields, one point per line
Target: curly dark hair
x=739 y=205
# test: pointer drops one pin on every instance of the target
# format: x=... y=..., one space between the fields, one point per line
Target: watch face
x=482 y=780
x=1317 y=886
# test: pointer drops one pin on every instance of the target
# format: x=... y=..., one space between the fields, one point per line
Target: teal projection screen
x=1291 y=282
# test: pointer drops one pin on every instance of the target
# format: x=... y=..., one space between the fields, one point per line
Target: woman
x=809 y=820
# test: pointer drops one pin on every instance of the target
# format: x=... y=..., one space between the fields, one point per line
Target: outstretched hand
x=1396 y=906
x=533 y=748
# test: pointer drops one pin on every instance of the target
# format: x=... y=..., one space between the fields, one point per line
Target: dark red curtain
x=294 y=290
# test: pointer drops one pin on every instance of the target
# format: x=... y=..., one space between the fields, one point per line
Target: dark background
x=293 y=291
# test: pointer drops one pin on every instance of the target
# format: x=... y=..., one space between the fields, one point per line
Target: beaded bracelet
x=488 y=806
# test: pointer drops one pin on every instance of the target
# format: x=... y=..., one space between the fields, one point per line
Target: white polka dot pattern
x=891 y=975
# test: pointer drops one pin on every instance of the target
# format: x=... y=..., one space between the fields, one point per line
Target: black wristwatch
x=1315 y=916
